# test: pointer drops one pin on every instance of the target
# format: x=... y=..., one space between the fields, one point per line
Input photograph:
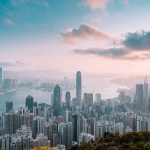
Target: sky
x=95 y=36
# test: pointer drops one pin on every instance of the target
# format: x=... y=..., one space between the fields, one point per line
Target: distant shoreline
x=10 y=91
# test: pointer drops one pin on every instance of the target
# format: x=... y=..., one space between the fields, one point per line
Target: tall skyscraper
x=67 y=99
x=76 y=126
x=57 y=101
x=78 y=87
x=146 y=96
x=29 y=103
x=139 y=97
x=1 y=77
x=9 y=106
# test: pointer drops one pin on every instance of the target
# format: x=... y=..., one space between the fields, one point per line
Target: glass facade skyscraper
x=29 y=103
x=57 y=101
x=78 y=87
x=139 y=97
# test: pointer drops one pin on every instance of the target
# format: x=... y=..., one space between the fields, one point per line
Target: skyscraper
x=8 y=122
x=88 y=99
x=139 y=97
x=9 y=106
x=11 y=122
x=67 y=99
x=29 y=103
x=78 y=87
x=1 y=77
x=146 y=96
x=57 y=101
x=65 y=130
x=76 y=126
x=98 y=98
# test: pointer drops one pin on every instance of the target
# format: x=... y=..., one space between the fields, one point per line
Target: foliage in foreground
x=111 y=141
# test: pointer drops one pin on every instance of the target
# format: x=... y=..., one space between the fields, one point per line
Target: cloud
x=85 y=32
x=135 y=46
x=109 y=53
x=8 y=21
x=16 y=63
x=114 y=53
x=138 y=41
x=97 y=4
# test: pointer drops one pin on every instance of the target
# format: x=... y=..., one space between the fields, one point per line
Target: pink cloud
x=97 y=4
x=85 y=32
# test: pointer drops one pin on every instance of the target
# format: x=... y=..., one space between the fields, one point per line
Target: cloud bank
x=138 y=41
x=110 y=53
x=135 y=46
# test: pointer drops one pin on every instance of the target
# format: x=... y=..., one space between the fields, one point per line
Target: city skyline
x=69 y=123
x=95 y=36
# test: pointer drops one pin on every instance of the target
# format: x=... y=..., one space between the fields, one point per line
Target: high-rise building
x=56 y=139
x=85 y=137
x=1 y=77
x=146 y=96
x=48 y=130
x=29 y=103
x=78 y=87
x=11 y=122
x=65 y=130
x=88 y=99
x=139 y=97
x=38 y=126
x=98 y=98
x=67 y=99
x=26 y=119
x=9 y=106
x=57 y=101
x=76 y=126
x=8 y=123
x=15 y=122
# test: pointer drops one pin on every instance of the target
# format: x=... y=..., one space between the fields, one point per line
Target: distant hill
x=128 y=141
x=130 y=81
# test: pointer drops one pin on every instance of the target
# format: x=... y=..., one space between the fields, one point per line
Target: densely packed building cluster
x=77 y=120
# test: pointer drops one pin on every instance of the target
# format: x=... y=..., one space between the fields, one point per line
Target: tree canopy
x=111 y=141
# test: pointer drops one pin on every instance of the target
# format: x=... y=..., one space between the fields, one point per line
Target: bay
x=103 y=86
